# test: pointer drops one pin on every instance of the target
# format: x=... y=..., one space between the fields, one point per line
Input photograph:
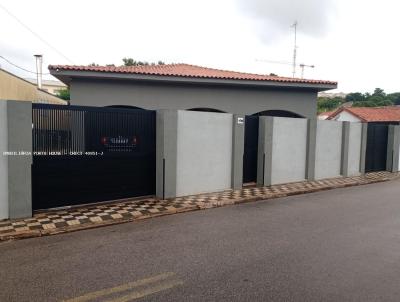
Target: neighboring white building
x=389 y=114
x=332 y=95
x=50 y=86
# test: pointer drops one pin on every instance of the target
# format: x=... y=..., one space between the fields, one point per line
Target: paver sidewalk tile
x=58 y=221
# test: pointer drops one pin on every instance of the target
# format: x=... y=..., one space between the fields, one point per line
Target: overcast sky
x=355 y=42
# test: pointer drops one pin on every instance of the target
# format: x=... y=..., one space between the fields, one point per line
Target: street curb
x=217 y=204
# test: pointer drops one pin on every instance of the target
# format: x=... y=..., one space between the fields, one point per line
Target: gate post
x=265 y=141
x=392 y=163
x=311 y=148
x=364 y=137
x=237 y=151
x=345 y=149
x=166 y=153
x=15 y=159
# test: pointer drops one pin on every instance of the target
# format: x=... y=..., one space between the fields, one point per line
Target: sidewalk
x=62 y=221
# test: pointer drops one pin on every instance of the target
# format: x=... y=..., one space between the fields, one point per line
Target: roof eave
x=66 y=76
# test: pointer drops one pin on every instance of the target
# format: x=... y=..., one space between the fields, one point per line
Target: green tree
x=64 y=94
x=328 y=104
x=132 y=62
x=379 y=92
x=355 y=97
x=394 y=97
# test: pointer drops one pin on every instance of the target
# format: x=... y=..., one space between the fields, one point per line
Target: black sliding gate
x=250 y=149
x=377 y=141
x=89 y=154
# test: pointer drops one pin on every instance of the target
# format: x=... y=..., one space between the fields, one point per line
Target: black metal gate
x=89 y=154
x=250 y=149
x=377 y=141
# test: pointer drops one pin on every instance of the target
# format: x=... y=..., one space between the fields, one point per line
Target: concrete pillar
x=364 y=135
x=344 y=169
x=166 y=157
x=311 y=148
x=4 y=212
x=237 y=151
x=392 y=163
x=264 y=160
x=16 y=159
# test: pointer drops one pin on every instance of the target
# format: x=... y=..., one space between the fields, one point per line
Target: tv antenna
x=302 y=65
x=294 y=25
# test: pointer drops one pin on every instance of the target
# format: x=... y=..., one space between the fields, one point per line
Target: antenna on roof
x=294 y=25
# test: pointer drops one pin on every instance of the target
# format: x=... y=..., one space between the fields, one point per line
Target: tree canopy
x=357 y=99
x=132 y=62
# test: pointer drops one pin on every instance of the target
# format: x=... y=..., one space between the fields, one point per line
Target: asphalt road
x=340 y=245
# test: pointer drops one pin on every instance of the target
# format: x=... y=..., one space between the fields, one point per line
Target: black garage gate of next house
x=377 y=144
x=89 y=154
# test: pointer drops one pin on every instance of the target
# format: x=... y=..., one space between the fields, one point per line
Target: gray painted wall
x=289 y=150
x=19 y=167
x=15 y=170
x=204 y=152
x=3 y=161
x=354 y=152
x=328 y=149
x=177 y=96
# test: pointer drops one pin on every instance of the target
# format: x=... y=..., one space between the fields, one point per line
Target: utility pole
x=295 y=48
x=39 y=62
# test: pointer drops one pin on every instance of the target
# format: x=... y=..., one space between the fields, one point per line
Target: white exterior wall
x=204 y=152
x=328 y=149
x=289 y=150
x=345 y=116
x=354 y=149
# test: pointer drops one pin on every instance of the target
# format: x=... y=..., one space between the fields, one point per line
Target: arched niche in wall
x=125 y=107
x=206 y=110
x=278 y=113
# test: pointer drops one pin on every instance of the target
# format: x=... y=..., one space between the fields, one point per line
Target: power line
x=35 y=34
x=15 y=65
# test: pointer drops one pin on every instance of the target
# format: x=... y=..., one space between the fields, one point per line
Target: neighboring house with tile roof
x=50 y=86
x=184 y=86
x=15 y=88
x=324 y=115
x=387 y=115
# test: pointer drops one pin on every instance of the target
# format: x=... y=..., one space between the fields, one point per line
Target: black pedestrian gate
x=377 y=141
x=250 y=149
x=88 y=154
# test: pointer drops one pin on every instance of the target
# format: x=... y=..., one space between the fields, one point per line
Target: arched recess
x=278 y=113
x=125 y=107
x=206 y=110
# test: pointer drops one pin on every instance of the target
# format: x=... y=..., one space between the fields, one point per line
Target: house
x=15 y=88
x=50 y=86
x=386 y=115
x=324 y=115
x=190 y=87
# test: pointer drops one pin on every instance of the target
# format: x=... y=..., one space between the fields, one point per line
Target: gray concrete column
x=364 y=136
x=344 y=169
x=396 y=149
x=16 y=159
x=4 y=212
x=237 y=151
x=311 y=148
x=166 y=157
x=265 y=141
x=392 y=162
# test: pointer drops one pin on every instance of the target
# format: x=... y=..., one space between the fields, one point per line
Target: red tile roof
x=372 y=114
x=326 y=113
x=186 y=70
